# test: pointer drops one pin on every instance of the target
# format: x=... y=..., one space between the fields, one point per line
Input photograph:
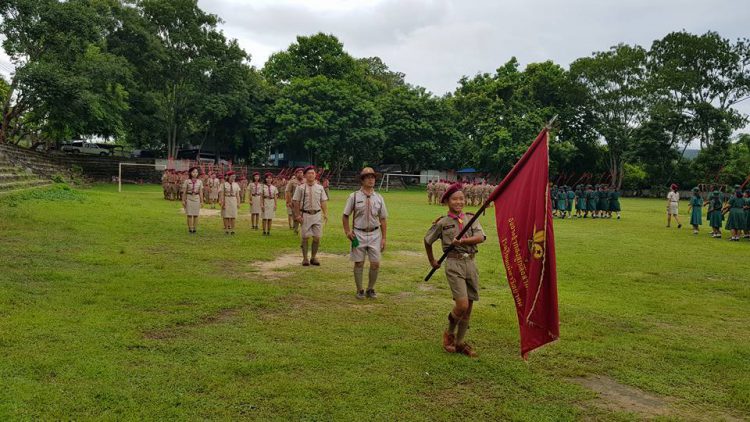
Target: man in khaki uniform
x=369 y=215
x=289 y=190
x=460 y=268
x=311 y=211
x=430 y=191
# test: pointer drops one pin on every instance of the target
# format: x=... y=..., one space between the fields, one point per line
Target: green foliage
x=634 y=177
x=57 y=193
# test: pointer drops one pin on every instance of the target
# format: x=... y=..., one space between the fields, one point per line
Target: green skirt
x=715 y=218
x=696 y=216
x=736 y=220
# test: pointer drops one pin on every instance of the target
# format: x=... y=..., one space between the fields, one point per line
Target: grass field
x=110 y=310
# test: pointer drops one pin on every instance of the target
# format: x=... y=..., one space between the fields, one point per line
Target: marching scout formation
x=365 y=216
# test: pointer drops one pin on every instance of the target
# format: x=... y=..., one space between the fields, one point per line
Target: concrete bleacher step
x=23 y=184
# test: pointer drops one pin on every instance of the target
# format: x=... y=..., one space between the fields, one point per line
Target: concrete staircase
x=15 y=178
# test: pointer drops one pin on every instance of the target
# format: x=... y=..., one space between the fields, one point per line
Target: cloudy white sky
x=435 y=42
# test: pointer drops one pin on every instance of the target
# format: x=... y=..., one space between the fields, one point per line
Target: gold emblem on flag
x=536 y=244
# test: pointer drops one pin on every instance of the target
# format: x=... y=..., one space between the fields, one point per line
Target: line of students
x=262 y=200
x=734 y=208
x=600 y=201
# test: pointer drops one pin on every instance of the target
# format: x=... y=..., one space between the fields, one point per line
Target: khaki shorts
x=369 y=246
x=463 y=278
x=672 y=209
x=312 y=225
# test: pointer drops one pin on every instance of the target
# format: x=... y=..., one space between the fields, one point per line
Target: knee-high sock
x=372 y=277
x=315 y=244
x=304 y=249
x=452 y=323
x=358 y=276
x=463 y=326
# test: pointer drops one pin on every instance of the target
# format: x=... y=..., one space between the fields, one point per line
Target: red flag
x=527 y=242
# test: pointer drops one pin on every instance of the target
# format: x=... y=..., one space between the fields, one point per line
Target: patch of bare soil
x=623 y=398
x=271 y=270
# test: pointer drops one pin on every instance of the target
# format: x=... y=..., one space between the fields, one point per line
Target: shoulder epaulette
x=437 y=219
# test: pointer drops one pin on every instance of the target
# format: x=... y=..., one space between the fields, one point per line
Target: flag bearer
x=460 y=268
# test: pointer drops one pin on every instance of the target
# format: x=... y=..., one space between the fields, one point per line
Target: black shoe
x=371 y=294
x=679 y=226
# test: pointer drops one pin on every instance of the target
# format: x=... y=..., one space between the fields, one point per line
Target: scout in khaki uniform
x=369 y=214
x=673 y=202
x=256 y=200
x=460 y=268
x=311 y=211
x=243 y=188
x=213 y=193
x=270 y=192
x=291 y=187
x=192 y=198
x=228 y=195
x=430 y=192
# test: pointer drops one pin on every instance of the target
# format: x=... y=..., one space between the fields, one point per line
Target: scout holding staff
x=228 y=195
x=673 y=201
x=268 y=206
x=311 y=212
x=695 y=208
x=256 y=200
x=291 y=187
x=460 y=268
x=369 y=215
x=192 y=199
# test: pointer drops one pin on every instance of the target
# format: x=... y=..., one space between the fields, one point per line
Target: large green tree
x=616 y=81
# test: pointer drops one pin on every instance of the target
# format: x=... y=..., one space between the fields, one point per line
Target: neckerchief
x=460 y=219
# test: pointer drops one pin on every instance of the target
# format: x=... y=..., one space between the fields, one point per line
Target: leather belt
x=256 y=194
x=370 y=230
x=311 y=212
x=460 y=255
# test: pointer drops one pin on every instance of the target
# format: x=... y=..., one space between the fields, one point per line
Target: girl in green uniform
x=614 y=202
x=747 y=214
x=715 y=217
x=562 y=197
x=736 y=220
x=696 y=210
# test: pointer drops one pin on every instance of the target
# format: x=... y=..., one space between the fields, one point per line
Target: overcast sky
x=435 y=42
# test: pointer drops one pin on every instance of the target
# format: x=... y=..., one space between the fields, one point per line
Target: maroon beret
x=308 y=168
x=451 y=190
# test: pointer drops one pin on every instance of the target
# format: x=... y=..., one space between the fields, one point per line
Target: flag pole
x=479 y=212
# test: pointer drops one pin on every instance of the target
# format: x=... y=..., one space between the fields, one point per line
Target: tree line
x=160 y=74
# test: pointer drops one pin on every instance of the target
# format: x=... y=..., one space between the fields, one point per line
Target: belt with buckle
x=310 y=212
x=370 y=230
x=460 y=255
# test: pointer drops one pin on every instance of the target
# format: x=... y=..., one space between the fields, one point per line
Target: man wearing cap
x=369 y=215
x=460 y=268
x=311 y=211
x=289 y=190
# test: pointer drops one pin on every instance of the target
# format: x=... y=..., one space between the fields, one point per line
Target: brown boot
x=466 y=350
x=448 y=340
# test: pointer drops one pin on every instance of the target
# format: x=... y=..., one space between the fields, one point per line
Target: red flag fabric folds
x=523 y=214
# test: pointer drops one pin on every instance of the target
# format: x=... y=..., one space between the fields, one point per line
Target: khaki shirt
x=191 y=188
x=446 y=229
x=256 y=189
x=291 y=186
x=310 y=197
x=368 y=210
x=269 y=191
x=230 y=189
